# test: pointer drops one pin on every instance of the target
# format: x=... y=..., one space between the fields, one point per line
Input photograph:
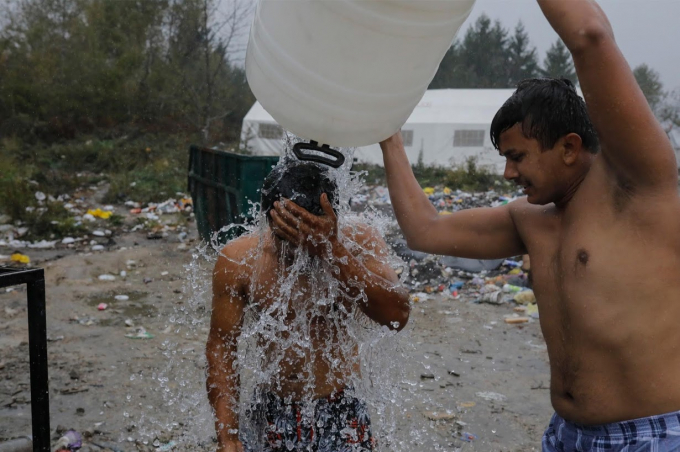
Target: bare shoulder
x=523 y=213
x=233 y=259
x=364 y=235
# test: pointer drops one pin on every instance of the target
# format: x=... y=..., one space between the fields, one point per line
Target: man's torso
x=309 y=351
x=605 y=277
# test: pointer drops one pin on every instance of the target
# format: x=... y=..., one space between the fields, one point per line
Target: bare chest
x=293 y=295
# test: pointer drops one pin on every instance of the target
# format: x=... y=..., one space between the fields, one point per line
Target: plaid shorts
x=649 y=434
x=337 y=423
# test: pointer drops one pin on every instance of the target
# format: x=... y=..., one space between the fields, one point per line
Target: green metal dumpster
x=221 y=184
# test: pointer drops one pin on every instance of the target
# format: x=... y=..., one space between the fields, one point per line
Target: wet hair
x=547 y=109
x=302 y=183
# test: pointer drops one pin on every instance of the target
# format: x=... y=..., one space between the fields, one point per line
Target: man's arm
x=386 y=300
x=633 y=142
x=225 y=326
x=485 y=233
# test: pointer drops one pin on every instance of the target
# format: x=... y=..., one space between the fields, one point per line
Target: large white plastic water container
x=348 y=72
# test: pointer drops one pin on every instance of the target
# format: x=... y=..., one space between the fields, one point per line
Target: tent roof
x=438 y=106
x=459 y=106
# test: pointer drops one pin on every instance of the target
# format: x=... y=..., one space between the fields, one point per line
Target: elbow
x=402 y=313
x=590 y=36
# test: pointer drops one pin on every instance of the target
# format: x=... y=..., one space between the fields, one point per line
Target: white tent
x=447 y=127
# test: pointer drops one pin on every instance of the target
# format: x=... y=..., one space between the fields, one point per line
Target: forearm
x=383 y=301
x=222 y=384
x=411 y=206
x=579 y=23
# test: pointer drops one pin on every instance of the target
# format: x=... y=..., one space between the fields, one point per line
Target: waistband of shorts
x=656 y=425
x=344 y=393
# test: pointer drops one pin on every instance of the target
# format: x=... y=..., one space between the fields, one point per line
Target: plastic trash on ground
x=20 y=258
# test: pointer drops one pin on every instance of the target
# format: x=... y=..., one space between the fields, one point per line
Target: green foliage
x=650 y=84
x=71 y=67
x=558 y=63
x=489 y=56
x=479 y=60
x=523 y=61
x=468 y=177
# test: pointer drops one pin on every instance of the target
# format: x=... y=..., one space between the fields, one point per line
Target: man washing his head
x=298 y=201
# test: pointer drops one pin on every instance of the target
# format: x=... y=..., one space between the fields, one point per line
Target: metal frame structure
x=34 y=279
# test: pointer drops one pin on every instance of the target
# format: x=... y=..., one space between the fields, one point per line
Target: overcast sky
x=647 y=31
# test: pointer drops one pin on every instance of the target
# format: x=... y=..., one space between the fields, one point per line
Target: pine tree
x=558 y=63
x=650 y=84
x=523 y=62
x=479 y=60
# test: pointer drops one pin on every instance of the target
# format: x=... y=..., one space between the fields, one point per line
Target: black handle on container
x=326 y=149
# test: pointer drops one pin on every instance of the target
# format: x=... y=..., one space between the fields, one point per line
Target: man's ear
x=572 y=146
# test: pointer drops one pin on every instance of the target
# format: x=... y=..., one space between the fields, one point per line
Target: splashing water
x=302 y=329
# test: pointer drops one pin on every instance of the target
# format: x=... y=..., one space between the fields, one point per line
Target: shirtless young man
x=601 y=224
x=245 y=278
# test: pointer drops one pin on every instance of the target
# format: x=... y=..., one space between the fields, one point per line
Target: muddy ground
x=492 y=376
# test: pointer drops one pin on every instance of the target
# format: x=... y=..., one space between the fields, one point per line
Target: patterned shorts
x=650 y=434
x=337 y=423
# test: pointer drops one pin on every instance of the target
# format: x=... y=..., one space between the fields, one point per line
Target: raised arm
x=366 y=270
x=386 y=300
x=225 y=326
x=484 y=233
x=633 y=142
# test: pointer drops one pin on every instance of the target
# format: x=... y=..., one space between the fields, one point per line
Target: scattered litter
x=516 y=320
x=468 y=437
x=70 y=441
x=129 y=322
x=68 y=240
x=454 y=373
x=525 y=297
x=140 y=333
x=467 y=404
x=107 y=277
x=427 y=376
x=121 y=297
x=20 y=258
x=55 y=338
x=492 y=396
x=439 y=416
x=98 y=248
x=123 y=273
x=99 y=213
x=167 y=446
x=532 y=310
x=102 y=306
x=165 y=273
x=99 y=233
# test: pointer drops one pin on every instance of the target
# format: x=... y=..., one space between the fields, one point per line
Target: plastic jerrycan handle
x=324 y=148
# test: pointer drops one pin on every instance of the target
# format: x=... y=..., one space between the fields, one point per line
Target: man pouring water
x=303 y=282
x=601 y=223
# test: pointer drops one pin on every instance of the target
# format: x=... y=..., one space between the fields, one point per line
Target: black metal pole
x=37 y=342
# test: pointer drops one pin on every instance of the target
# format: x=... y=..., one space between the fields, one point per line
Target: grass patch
x=139 y=167
x=467 y=177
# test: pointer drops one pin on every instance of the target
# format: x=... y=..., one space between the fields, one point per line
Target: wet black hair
x=301 y=182
x=547 y=109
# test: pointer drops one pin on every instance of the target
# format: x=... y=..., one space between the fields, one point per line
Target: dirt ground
x=492 y=376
